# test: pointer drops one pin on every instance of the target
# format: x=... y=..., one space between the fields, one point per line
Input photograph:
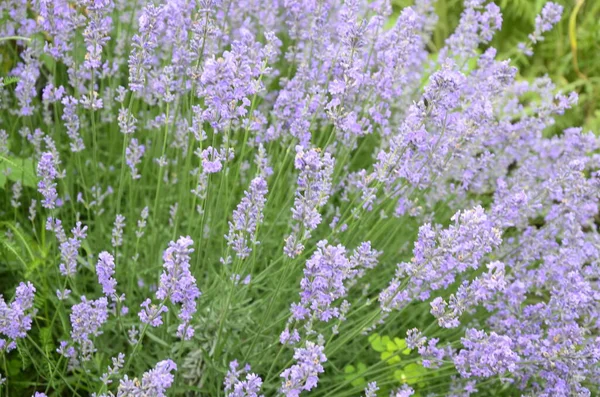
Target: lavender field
x=293 y=197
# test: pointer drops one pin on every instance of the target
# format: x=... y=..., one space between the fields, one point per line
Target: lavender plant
x=257 y=191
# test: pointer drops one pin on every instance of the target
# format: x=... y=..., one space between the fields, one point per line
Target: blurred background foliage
x=570 y=53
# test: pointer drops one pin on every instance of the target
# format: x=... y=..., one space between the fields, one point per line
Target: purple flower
x=545 y=21
x=133 y=157
x=144 y=44
x=117 y=363
x=117 y=231
x=304 y=375
x=47 y=173
x=212 y=159
x=440 y=255
x=87 y=319
x=126 y=121
x=105 y=270
x=154 y=382
x=314 y=186
x=141 y=223
x=289 y=338
x=15 y=318
x=404 y=391
x=323 y=282
x=237 y=386
x=371 y=389
x=485 y=355
x=69 y=247
x=152 y=314
x=480 y=290
x=71 y=120
x=96 y=33
x=64 y=294
x=178 y=285
x=247 y=217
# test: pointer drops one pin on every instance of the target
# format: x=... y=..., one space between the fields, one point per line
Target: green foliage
x=17 y=169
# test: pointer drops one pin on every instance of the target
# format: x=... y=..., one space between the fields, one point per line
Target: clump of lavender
x=390 y=183
x=486 y=355
x=439 y=256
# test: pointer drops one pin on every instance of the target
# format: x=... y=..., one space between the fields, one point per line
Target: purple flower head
x=154 y=382
x=486 y=355
x=177 y=283
x=69 y=247
x=439 y=255
x=126 y=121
x=371 y=389
x=105 y=270
x=314 y=187
x=304 y=375
x=545 y=21
x=47 y=173
x=15 y=318
x=87 y=319
x=247 y=217
x=117 y=232
x=152 y=314
x=133 y=157
x=143 y=45
x=236 y=385
x=323 y=281
x=72 y=123
x=212 y=159
x=404 y=391
x=289 y=338
x=141 y=223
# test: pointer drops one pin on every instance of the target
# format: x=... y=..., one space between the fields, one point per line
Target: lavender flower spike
x=46 y=171
x=15 y=318
x=105 y=270
x=178 y=284
x=314 y=186
x=154 y=382
x=246 y=218
x=304 y=375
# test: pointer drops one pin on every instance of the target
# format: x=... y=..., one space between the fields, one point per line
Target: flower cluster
x=16 y=317
x=247 y=217
x=87 y=319
x=440 y=255
x=236 y=385
x=154 y=382
x=47 y=173
x=304 y=375
x=177 y=285
x=314 y=185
